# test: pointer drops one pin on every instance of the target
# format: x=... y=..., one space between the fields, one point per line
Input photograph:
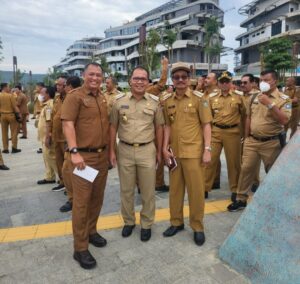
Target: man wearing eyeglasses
x=188 y=133
x=138 y=120
x=226 y=107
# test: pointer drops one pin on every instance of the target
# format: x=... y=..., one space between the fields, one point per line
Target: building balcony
x=110 y=59
x=71 y=50
x=75 y=67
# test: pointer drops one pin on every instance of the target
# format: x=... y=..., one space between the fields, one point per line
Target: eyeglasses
x=244 y=82
x=177 y=78
x=137 y=79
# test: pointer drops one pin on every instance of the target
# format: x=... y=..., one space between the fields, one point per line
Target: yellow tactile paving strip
x=104 y=223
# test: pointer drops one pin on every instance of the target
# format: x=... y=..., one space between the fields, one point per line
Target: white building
x=121 y=44
x=266 y=19
x=78 y=55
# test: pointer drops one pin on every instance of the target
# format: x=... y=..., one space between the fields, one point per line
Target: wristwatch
x=208 y=148
x=73 y=150
x=270 y=106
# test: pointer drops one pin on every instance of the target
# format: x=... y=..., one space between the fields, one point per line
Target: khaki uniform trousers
x=160 y=178
x=23 y=125
x=50 y=162
x=294 y=120
x=9 y=120
x=188 y=174
x=88 y=199
x=137 y=163
x=59 y=155
x=67 y=172
x=255 y=151
x=1 y=159
x=230 y=139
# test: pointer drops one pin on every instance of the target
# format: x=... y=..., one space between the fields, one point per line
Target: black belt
x=136 y=144
x=225 y=126
x=295 y=106
x=91 y=150
x=264 y=139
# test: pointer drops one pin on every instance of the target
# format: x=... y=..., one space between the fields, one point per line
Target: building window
x=276 y=28
x=292 y=10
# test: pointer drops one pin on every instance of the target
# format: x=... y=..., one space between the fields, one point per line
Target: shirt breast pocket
x=171 y=114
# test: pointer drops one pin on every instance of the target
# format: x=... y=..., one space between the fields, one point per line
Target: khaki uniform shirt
x=56 y=124
x=8 y=103
x=159 y=87
x=111 y=98
x=185 y=115
x=226 y=110
x=263 y=124
x=45 y=117
x=22 y=103
x=89 y=114
x=293 y=93
x=37 y=105
x=136 y=120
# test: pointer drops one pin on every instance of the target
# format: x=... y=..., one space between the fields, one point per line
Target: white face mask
x=264 y=87
x=41 y=98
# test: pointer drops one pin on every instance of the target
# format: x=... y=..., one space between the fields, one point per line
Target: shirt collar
x=188 y=93
x=275 y=94
x=87 y=92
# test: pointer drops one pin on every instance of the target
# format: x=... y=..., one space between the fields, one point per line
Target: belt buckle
x=136 y=145
x=99 y=150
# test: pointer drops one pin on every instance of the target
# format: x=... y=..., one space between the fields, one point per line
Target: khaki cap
x=180 y=66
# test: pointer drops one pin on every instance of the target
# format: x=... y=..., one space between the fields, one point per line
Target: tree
x=212 y=44
x=169 y=36
x=1 y=48
x=151 y=54
x=276 y=54
x=18 y=79
x=51 y=77
x=101 y=59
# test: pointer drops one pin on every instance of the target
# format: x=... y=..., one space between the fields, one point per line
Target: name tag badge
x=124 y=106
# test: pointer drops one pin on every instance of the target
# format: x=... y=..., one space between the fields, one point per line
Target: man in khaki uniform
x=210 y=87
x=266 y=116
x=48 y=94
x=37 y=105
x=72 y=83
x=111 y=92
x=188 y=132
x=247 y=82
x=86 y=128
x=55 y=133
x=8 y=108
x=226 y=107
x=22 y=105
x=138 y=119
x=294 y=94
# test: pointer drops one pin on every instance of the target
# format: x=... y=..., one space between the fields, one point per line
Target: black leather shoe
x=254 y=187
x=4 y=168
x=44 y=181
x=5 y=151
x=39 y=151
x=163 y=188
x=233 y=197
x=216 y=185
x=23 y=137
x=199 y=238
x=66 y=207
x=145 y=235
x=127 y=230
x=173 y=230
x=14 y=150
x=85 y=259
x=97 y=240
x=206 y=194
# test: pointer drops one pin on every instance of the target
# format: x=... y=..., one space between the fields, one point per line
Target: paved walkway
x=41 y=252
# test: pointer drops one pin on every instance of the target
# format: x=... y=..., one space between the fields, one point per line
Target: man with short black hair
x=86 y=128
x=22 y=105
x=266 y=115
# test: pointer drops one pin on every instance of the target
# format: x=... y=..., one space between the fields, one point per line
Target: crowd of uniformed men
x=184 y=125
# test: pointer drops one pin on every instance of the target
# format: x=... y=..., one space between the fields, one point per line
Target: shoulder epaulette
x=254 y=92
x=155 y=98
x=285 y=97
x=238 y=93
x=166 y=96
x=211 y=95
x=198 y=94
x=119 y=96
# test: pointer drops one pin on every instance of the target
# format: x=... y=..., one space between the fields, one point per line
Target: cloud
x=39 y=32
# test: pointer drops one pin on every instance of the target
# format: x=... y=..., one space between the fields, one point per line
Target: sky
x=39 y=32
